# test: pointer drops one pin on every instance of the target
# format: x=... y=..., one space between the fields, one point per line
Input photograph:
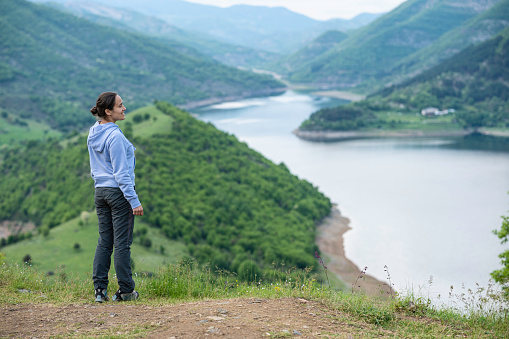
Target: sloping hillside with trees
x=373 y=51
x=200 y=186
x=53 y=65
x=473 y=83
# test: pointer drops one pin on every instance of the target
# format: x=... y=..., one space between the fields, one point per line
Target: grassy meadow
x=56 y=251
x=14 y=129
x=149 y=121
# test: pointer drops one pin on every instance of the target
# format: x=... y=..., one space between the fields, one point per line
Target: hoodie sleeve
x=120 y=166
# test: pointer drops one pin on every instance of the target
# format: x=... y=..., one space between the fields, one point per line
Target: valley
x=285 y=164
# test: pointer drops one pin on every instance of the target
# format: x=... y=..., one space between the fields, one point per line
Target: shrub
x=27 y=259
x=249 y=271
x=147 y=242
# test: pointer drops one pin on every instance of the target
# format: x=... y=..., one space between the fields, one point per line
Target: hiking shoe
x=119 y=296
x=101 y=295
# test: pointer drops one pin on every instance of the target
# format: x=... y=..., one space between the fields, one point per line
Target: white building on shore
x=433 y=111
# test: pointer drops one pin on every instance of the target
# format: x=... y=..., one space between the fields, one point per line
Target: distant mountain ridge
x=373 y=51
x=234 y=55
x=315 y=48
x=60 y=63
x=272 y=29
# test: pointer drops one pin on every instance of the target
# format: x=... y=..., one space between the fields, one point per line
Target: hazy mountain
x=343 y=25
x=234 y=55
x=274 y=29
x=315 y=48
x=373 y=51
x=53 y=65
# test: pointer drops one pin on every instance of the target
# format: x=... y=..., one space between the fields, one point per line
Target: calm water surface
x=417 y=206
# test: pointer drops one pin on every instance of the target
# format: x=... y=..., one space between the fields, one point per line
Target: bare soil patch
x=231 y=318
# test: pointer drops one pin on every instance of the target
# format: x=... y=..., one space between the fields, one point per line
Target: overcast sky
x=317 y=9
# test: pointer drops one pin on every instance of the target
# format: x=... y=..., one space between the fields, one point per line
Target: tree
x=502 y=275
x=27 y=259
x=473 y=119
x=45 y=231
x=85 y=217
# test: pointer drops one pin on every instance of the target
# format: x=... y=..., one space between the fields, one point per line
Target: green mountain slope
x=317 y=47
x=234 y=55
x=476 y=30
x=52 y=69
x=373 y=51
x=473 y=83
x=198 y=185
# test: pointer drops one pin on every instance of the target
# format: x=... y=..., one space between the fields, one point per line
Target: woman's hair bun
x=94 y=110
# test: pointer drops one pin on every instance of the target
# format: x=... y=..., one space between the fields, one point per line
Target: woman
x=112 y=167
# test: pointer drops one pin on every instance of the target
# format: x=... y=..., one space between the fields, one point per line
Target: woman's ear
x=107 y=111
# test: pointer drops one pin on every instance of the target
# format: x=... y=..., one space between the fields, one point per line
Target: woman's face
x=118 y=111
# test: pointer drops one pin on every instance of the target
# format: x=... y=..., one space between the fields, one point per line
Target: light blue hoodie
x=112 y=160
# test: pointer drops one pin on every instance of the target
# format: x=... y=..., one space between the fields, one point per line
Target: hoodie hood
x=99 y=134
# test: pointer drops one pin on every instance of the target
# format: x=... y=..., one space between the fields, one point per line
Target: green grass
x=49 y=253
x=185 y=281
x=157 y=123
x=415 y=121
x=14 y=129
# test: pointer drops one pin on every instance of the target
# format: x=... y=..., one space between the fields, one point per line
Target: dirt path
x=330 y=242
x=233 y=318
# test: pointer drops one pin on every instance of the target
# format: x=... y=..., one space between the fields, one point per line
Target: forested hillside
x=476 y=30
x=234 y=55
x=53 y=65
x=373 y=51
x=199 y=185
x=473 y=83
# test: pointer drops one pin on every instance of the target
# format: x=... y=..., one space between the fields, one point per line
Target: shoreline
x=328 y=135
x=219 y=100
x=329 y=239
x=343 y=95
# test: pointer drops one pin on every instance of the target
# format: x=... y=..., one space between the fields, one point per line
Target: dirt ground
x=233 y=318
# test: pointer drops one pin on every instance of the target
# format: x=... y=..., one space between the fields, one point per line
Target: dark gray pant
x=116 y=223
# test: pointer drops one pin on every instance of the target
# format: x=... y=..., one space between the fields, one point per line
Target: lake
x=423 y=207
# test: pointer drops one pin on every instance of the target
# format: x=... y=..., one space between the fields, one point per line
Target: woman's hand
x=138 y=210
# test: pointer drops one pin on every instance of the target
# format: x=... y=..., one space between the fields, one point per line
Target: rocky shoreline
x=330 y=242
x=345 y=135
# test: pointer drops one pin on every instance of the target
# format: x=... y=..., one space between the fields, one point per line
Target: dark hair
x=105 y=101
